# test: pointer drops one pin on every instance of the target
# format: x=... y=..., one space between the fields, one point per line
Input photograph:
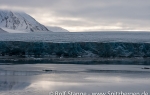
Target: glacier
x=76 y=45
x=78 y=49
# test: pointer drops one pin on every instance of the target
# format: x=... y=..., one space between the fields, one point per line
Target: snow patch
x=2 y=31
x=14 y=31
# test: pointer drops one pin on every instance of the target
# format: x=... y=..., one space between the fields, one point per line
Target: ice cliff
x=77 y=49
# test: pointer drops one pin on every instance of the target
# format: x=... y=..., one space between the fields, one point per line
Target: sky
x=86 y=15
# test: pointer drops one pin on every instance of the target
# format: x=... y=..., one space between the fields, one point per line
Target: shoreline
x=86 y=61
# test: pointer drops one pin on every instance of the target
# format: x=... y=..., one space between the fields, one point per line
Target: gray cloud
x=79 y=14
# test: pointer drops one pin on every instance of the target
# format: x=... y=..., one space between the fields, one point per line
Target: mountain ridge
x=20 y=21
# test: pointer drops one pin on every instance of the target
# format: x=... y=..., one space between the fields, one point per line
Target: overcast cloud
x=86 y=15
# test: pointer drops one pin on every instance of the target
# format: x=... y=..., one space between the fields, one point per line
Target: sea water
x=74 y=79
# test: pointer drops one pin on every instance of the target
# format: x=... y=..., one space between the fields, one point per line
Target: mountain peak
x=20 y=21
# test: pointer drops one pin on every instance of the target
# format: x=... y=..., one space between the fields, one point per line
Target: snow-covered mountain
x=2 y=31
x=56 y=29
x=19 y=21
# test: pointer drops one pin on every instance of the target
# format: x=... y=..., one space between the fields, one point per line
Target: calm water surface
x=46 y=79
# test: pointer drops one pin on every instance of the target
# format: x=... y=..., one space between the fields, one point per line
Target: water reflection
x=12 y=85
x=18 y=73
x=32 y=80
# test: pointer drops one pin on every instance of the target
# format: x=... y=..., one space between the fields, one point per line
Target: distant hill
x=56 y=29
